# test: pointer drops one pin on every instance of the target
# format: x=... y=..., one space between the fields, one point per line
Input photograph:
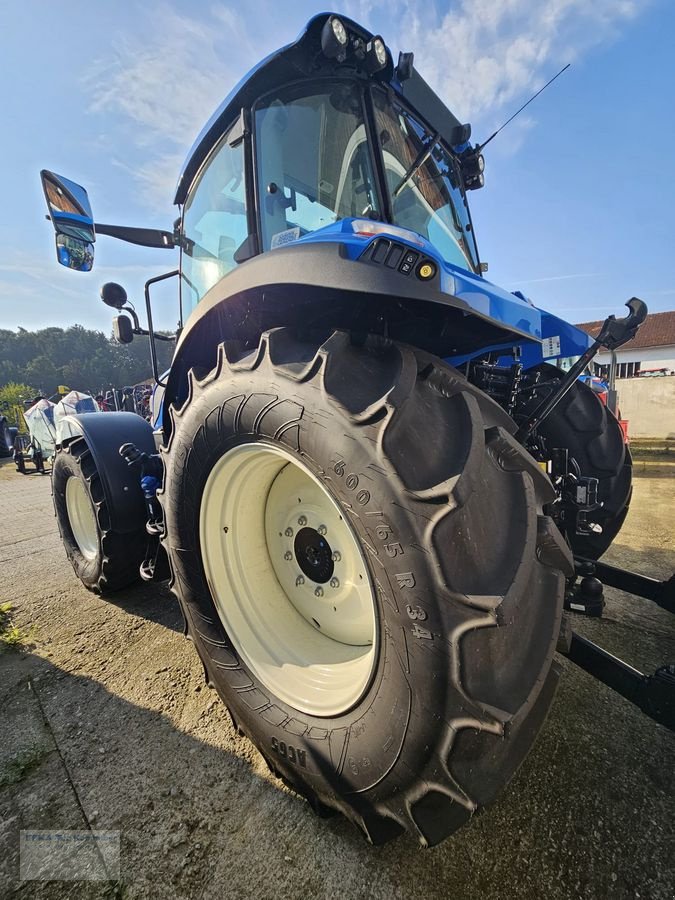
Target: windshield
x=314 y=165
x=424 y=183
x=313 y=161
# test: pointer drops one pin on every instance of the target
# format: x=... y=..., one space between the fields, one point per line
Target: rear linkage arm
x=614 y=333
x=653 y=694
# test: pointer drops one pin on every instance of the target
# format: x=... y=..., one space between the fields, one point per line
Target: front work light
x=473 y=165
x=376 y=55
x=370 y=228
x=334 y=39
x=474 y=183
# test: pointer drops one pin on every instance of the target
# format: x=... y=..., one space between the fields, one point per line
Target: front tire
x=450 y=645
x=103 y=559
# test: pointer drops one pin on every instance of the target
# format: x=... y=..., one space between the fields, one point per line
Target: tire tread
x=390 y=384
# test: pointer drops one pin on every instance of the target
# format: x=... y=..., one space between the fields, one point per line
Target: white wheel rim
x=311 y=642
x=82 y=517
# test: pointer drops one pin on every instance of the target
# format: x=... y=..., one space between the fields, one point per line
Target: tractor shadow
x=199 y=816
x=152 y=601
x=80 y=756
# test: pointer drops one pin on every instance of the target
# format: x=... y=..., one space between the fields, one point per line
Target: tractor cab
x=326 y=135
x=322 y=152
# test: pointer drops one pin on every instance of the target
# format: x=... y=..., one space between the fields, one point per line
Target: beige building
x=653 y=348
x=646 y=400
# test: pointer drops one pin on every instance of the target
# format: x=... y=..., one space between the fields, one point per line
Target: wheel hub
x=314 y=555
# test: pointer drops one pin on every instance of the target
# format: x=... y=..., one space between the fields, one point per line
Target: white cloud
x=555 y=278
x=482 y=56
x=165 y=81
x=156 y=178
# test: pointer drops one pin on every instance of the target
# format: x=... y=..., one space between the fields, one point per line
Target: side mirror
x=72 y=218
x=74 y=253
x=113 y=294
x=122 y=330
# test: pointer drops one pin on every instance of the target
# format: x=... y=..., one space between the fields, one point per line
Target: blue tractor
x=365 y=476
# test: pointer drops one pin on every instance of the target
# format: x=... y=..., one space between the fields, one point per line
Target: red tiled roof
x=658 y=330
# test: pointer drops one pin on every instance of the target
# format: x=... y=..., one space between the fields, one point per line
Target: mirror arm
x=146 y=237
x=134 y=316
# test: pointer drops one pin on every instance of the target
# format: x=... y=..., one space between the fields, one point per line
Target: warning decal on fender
x=550 y=346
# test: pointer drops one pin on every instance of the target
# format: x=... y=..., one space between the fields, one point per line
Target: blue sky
x=577 y=208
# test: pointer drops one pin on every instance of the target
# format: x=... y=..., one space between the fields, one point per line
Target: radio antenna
x=480 y=147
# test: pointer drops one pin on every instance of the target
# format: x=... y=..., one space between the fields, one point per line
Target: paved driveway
x=105 y=723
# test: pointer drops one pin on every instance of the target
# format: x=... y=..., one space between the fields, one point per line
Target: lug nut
x=337 y=556
x=318 y=592
x=289 y=532
x=334 y=583
x=288 y=555
x=302 y=520
x=322 y=529
x=300 y=580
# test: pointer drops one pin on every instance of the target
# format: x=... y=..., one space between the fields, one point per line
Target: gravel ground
x=105 y=723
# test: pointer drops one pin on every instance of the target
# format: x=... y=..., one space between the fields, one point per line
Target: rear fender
x=105 y=433
x=319 y=285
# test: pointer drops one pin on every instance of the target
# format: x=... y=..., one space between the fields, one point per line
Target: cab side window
x=214 y=223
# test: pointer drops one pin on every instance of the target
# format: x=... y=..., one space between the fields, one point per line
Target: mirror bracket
x=145 y=237
x=151 y=331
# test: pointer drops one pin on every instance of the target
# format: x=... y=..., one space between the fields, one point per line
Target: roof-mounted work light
x=334 y=39
x=376 y=55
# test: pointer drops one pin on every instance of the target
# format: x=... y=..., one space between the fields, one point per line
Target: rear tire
x=466 y=573
x=594 y=437
x=103 y=560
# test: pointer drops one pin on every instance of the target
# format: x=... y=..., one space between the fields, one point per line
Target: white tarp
x=73 y=404
x=40 y=421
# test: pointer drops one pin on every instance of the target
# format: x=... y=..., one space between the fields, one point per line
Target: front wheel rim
x=289 y=579
x=82 y=518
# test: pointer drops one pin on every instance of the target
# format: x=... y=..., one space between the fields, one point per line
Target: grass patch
x=10 y=634
x=21 y=765
x=657 y=449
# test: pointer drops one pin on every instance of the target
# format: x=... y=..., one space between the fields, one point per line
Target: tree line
x=78 y=357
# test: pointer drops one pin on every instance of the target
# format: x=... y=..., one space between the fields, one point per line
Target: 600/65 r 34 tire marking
x=467 y=573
